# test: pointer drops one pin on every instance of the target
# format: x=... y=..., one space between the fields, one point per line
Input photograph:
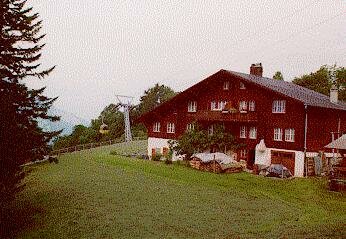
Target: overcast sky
x=108 y=47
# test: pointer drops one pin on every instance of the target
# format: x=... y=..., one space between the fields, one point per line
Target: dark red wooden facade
x=321 y=121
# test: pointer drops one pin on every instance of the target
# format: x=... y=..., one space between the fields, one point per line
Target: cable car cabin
x=104 y=129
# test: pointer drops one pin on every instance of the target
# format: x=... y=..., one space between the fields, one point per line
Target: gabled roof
x=299 y=93
x=304 y=95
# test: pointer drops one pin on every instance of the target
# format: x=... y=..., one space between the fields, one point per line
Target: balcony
x=207 y=115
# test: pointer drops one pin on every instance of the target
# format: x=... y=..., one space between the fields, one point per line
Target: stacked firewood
x=214 y=166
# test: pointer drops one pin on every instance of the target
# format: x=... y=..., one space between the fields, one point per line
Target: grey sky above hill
x=102 y=48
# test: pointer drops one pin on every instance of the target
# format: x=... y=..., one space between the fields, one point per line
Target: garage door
x=287 y=159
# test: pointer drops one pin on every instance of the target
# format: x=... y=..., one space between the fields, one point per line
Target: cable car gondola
x=104 y=129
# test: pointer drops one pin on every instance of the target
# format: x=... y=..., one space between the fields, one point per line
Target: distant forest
x=113 y=117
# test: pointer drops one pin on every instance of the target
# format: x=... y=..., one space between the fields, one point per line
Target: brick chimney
x=256 y=69
x=334 y=94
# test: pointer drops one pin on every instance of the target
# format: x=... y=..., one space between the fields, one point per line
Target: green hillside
x=94 y=194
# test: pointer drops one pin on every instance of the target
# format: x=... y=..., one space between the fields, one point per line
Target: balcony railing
x=207 y=115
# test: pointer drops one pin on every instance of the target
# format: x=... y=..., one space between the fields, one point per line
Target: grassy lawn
x=93 y=194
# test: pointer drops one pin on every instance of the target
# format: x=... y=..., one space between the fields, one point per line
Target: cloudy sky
x=108 y=47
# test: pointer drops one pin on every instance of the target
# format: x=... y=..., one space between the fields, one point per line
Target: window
x=251 y=105
x=279 y=106
x=243 y=153
x=217 y=105
x=243 y=132
x=170 y=128
x=253 y=133
x=190 y=127
x=242 y=86
x=210 y=130
x=278 y=134
x=156 y=127
x=213 y=105
x=192 y=106
x=242 y=106
x=226 y=85
x=289 y=135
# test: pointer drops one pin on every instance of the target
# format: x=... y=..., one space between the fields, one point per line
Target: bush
x=52 y=159
x=198 y=140
x=156 y=157
x=114 y=152
x=169 y=157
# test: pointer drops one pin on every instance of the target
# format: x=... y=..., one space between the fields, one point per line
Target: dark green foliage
x=21 y=140
x=53 y=159
x=221 y=140
x=198 y=140
x=278 y=76
x=153 y=97
x=112 y=117
x=322 y=80
x=156 y=157
x=114 y=152
x=80 y=135
x=168 y=158
x=190 y=142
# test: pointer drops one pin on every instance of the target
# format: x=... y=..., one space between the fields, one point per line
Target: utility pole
x=126 y=104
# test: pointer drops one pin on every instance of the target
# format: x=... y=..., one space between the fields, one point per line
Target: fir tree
x=21 y=140
x=278 y=76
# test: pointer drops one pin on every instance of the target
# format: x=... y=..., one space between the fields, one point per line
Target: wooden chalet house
x=279 y=122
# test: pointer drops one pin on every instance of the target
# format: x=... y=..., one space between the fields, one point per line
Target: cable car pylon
x=126 y=104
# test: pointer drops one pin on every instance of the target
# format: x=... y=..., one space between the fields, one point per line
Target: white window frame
x=243 y=106
x=243 y=153
x=242 y=86
x=279 y=106
x=213 y=105
x=156 y=127
x=192 y=106
x=222 y=104
x=252 y=105
x=190 y=127
x=170 y=128
x=277 y=134
x=217 y=105
x=253 y=133
x=242 y=133
x=226 y=85
x=289 y=135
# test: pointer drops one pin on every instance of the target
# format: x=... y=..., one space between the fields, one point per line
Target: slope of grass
x=93 y=194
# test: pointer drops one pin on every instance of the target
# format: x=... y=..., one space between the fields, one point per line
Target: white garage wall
x=160 y=143
x=154 y=143
x=265 y=159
